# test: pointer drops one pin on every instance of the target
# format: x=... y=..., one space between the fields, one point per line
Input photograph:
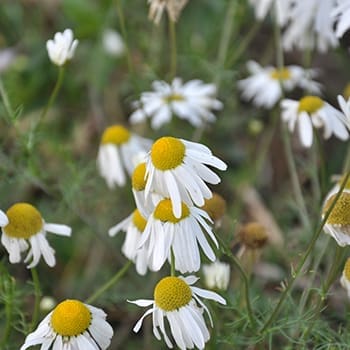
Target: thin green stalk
x=173 y=48
x=6 y=101
x=109 y=283
x=37 y=295
x=297 y=272
x=172 y=256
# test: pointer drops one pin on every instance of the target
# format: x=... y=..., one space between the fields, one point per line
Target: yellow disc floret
x=281 y=74
x=310 y=104
x=70 y=318
x=24 y=221
x=253 y=235
x=215 y=207
x=138 y=178
x=171 y=293
x=167 y=153
x=138 y=220
x=346 y=270
x=115 y=134
x=164 y=211
x=340 y=214
x=173 y=98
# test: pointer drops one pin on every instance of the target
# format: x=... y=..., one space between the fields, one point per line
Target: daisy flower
x=217 y=275
x=345 y=278
x=118 y=154
x=179 y=302
x=134 y=225
x=72 y=325
x=61 y=49
x=338 y=222
x=192 y=101
x=266 y=85
x=310 y=26
x=279 y=7
x=341 y=14
x=24 y=228
x=309 y=112
x=172 y=160
x=173 y=8
x=164 y=232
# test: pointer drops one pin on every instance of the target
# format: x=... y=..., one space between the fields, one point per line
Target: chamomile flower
x=312 y=111
x=345 y=278
x=24 y=228
x=133 y=225
x=191 y=101
x=173 y=8
x=61 y=49
x=217 y=275
x=338 y=222
x=341 y=14
x=72 y=325
x=164 y=232
x=265 y=86
x=171 y=161
x=117 y=152
x=179 y=302
x=310 y=25
x=278 y=7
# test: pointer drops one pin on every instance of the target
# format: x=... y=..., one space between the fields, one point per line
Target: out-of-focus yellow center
x=70 y=318
x=24 y=221
x=347 y=269
x=215 y=207
x=253 y=235
x=171 y=293
x=164 y=211
x=340 y=214
x=167 y=153
x=346 y=92
x=139 y=221
x=173 y=98
x=138 y=179
x=115 y=134
x=310 y=104
x=281 y=74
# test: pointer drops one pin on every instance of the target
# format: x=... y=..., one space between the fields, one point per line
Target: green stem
x=109 y=283
x=311 y=245
x=172 y=256
x=173 y=53
x=6 y=101
x=37 y=295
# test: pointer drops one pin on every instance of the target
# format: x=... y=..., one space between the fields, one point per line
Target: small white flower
x=113 y=43
x=72 y=325
x=117 y=153
x=345 y=278
x=62 y=48
x=341 y=14
x=173 y=7
x=310 y=26
x=178 y=301
x=266 y=84
x=23 y=223
x=164 y=232
x=191 y=101
x=177 y=169
x=134 y=226
x=309 y=112
x=279 y=7
x=217 y=275
x=47 y=303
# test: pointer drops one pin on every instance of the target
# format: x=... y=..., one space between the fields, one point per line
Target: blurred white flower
x=341 y=14
x=345 y=278
x=279 y=7
x=173 y=7
x=266 y=84
x=22 y=223
x=309 y=112
x=345 y=107
x=192 y=101
x=310 y=26
x=47 y=303
x=217 y=275
x=113 y=43
x=61 y=49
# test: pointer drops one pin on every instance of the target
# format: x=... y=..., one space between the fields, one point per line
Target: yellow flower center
x=70 y=318
x=215 y=207
x=281 y=74
x=167 y=153
x=310 y=104
x=346 y=92
x=115 y=134
x=340 y=214
x=164 y=211
x=138 y=179
x=173 y=98
x=24 y=221
x=171 y=293
x=139 y=221
x=253 y=235
x=347 y=269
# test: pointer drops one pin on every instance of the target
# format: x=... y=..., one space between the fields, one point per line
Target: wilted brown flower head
x=173 y=7
x=215 y=207
x=253 y=235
